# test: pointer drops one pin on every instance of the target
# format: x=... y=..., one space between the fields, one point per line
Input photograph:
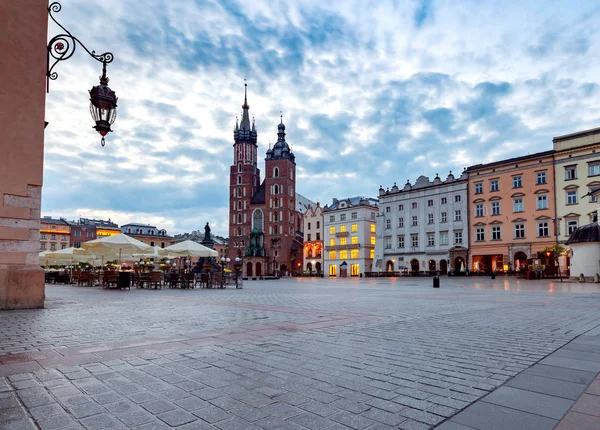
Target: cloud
x=371 y=94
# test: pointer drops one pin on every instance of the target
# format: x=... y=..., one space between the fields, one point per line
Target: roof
x=138 y=225
x=586 y=233
x=510 y=160
x=50 y=220
x=577 y=134
x=303 y=203
x=351 y=202
x=259 y=197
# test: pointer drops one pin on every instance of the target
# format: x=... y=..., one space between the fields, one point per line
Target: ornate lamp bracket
x=62 y=47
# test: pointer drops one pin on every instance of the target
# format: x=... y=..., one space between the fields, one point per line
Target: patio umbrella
x=155 y=253
x=111 y=246
x=189 y=248
x=462 y=266
x=64 y=256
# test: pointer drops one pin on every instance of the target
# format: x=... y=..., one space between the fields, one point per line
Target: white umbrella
x=155 y=253
x=189 y=248
x=462 y=266
x=119 y=244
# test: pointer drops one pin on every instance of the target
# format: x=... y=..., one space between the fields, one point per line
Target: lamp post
x=103 y=100
x=237 y=267
x=223 y=262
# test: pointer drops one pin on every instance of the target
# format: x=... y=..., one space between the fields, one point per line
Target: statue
x=207 y=232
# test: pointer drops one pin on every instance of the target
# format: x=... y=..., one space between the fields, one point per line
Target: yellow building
x=577 y=171
x=55 y=234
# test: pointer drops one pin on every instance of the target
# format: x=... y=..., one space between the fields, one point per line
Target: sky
x=372 y=93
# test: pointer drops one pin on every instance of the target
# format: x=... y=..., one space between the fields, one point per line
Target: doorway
x=248 y=269
x=258 y=269
x=414 y=265
x=443 y=266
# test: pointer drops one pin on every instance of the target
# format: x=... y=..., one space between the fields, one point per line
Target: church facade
x=264 y=223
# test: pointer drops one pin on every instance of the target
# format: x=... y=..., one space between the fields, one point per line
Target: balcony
x=342 y=247
x=342 y=234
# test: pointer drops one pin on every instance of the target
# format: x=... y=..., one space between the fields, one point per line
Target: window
x=457 y=215
x=372 y=215
x=593 y=199
x=77 y=234
x=354 y=253
x=457 y=199
x=354 y=240
x=332 y=255
x=542 y=201
x=318 y=236
x=308 y=237
x=53 y=237
x=387 y=243
x=517 y=181
x=540 y=178
x=479 y=188
x=276 y=172
x=496 y=233
x=400 y=207
x=494 y=185
x=400 y=241
x=332 y=229
x=63 y=246
x=458 y=237
x=276 y=189
x=372 y=228
x=342 y=217
x=479 y=210
x=480 y=234
x=543 y=230
x=443 y=238
x=429 y=218
x=354 y=215
x=318 y=224
x=43 y=236
x=572 y=197
x=77 y=244
x=53 y=227
x=430 y=203
x=63 y=237
x=570 y=173
x=572 y=225
x=414 y=205
x=415 y=221
x=373 y=240
x=519 y=231
x=43 y=246
x=387 y=209
x=400 y=222
x=331 y=218
x=90 y=234
x=332 y=241
x=354 y=228
x=594 y=169
x=518 y=205
x=444 y=200
x=388 y=223
x=372 y=254
x=444 y=217
x=308 y=226
x=53 y=246
x=414 y=240
x=495 y=208
x=343 y=254
x=343 y=228
x=430 y=239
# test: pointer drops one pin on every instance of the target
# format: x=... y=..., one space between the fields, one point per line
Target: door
x=332 y=270
x=444 y=267
x=248 y=269
x=258 y=269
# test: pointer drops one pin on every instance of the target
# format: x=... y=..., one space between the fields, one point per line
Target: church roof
x=586 y=233
x=259 y=197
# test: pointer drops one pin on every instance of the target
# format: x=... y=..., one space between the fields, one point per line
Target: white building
x=313 y=239
x=350 y=235
x=423 y=227
x=584 y=244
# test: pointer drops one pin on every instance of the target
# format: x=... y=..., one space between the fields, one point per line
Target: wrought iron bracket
x=62 y=47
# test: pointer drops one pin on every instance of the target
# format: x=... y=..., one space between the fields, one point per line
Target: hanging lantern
x=103 y=105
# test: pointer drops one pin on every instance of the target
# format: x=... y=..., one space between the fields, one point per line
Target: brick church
x=264 y=223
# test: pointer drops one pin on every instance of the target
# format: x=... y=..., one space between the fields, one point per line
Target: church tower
x=244 y=179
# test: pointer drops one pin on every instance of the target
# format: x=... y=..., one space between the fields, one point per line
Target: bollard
x=436 y=282
x=493 y=275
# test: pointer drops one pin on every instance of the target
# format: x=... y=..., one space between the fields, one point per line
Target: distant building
x=149 y=234
x=313 y=238
x=220 y=243
x=82 y=231
x=423 y=226
x=350 y=235
x=105 y=228
x=55 y=234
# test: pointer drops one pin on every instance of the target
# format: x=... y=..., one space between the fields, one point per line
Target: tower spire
x=245 y=124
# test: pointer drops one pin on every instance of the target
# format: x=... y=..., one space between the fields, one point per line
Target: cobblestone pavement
x=307 y=353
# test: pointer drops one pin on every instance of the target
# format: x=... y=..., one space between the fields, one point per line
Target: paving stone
x=562 y=374
x=85 y=410
x=134 y=418
x=528 y=401
x=587 y=404
x=413 y=425
x=282 y=410
x=449 y=425
x=105 y=398
x=191 y=403
x=158 y=406
x=56 y=422
x=351 y=420
x=388 y=418
x=487 y=416
x=552 y=387
x=311 y=421
x=212 y=414
x=577 y=421
x=177 y=417
x=102 y=421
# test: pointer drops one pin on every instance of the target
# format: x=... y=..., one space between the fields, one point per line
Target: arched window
x=239 y=231
x=239 y=218
x=239 y=205
x=240 y=168
x=239 y=191
x=276 y=172
x=239 y=179
x=128 y=229
x=276 y=189
x=257 y=220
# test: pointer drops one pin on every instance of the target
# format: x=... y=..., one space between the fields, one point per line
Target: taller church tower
x=244 y=177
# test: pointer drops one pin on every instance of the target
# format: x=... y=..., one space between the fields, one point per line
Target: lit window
x=496 y=233
x=540 y=178
x=354 y=253
x=354 y=228
x=343 y=254
x=372 y=228
x=372 y=254
x=343 y=228
x=343 y=240
x=332 y=241
x=543 y=229
x=332 y=229
x=519 y=231
x=572 y=197
x=354 y=240
x=332 y=255
x=479 y=188
x=372 y=240
x=400 y=241
x=480 y=234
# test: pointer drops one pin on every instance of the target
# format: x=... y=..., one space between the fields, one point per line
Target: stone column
x=23 y=38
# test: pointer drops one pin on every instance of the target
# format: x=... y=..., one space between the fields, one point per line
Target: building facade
x=55 y=234
x=313 y=239
x=82 y=231
x=577 y=172
x=149 y=234
x=423 y=227
x=264 y=224
x=105 y=228
x=511 y=211
x=350 y=235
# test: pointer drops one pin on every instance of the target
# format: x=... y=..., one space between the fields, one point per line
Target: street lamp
x=103 y=100
x=237 y=267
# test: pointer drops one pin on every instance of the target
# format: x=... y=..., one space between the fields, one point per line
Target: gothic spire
x=245 y=124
